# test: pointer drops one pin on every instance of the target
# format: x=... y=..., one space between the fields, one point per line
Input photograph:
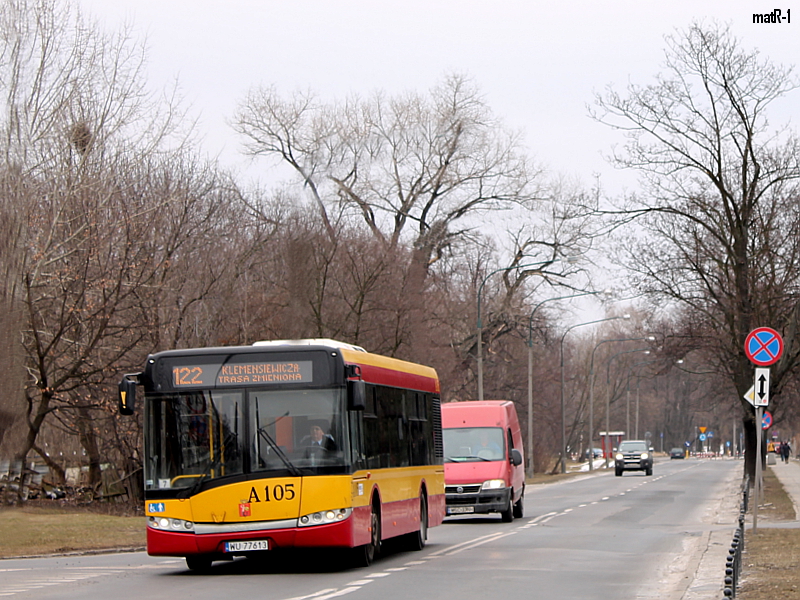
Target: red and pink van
x=483 y=458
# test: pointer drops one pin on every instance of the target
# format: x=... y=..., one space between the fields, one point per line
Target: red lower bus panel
x=396 y=518
x=170 y=543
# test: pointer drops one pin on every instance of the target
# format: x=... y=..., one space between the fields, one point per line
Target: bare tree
x=720 y=229
x=12 y=230
x=413 y=168
x=116 y=215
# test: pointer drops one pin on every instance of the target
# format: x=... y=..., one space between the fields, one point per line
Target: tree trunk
x=88 y=438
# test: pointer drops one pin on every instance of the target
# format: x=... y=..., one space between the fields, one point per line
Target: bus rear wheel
x=416 y=540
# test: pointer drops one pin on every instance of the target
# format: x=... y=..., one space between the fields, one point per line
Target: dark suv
x=633 y=455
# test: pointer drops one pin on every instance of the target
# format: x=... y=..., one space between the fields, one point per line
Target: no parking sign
x=766 y=420
x=763 y=346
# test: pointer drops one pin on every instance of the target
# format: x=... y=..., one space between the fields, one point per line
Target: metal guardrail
x=733 y=564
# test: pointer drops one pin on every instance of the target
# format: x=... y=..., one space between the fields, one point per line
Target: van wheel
x=416 y=540
x=364 y=555
x=519 y=506
x=508 y=514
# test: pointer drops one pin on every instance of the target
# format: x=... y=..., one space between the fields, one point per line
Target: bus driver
x=318 y=437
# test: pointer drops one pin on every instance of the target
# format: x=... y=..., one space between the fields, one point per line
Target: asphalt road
x=595 y=537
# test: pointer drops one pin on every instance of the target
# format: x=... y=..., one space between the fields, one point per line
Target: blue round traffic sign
x=763 y=346
x=766 y=420
x=702 y=437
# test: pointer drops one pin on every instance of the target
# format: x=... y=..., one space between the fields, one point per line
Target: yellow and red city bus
x=231 y=466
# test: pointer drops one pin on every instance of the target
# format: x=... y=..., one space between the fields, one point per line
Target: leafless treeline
x=119 y=239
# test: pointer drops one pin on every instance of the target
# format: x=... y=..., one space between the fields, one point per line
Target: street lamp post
x=563 y=409
x=591 y=390
x=638 y=381
x=608 y=396
x=529 y=466
x=480 y=322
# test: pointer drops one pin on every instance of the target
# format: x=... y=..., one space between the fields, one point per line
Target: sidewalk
x=708 y=552
x=707 y=555
x=789 y=476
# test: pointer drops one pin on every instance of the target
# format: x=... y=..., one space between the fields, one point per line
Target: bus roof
x=311 y=342
x=375 y=368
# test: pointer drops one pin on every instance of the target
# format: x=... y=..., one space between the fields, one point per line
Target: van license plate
x=247 y=546
x=460 y=510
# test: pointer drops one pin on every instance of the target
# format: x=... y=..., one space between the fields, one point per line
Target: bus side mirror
x=127 y=396
x=356 y=394
x=516 y=457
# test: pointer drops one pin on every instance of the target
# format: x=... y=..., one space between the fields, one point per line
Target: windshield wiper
x=213 y=464
x=465 y=458
x=277 y=449
x=191 y=491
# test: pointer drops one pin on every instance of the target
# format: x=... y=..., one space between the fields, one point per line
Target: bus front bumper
x=332 y=535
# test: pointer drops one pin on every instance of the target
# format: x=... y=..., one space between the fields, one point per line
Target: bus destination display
x=259 y=373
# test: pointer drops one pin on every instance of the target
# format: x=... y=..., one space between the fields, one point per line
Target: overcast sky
x=538 y=63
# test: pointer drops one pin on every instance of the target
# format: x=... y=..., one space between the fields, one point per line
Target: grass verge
x=31 y=531
x=771 y=555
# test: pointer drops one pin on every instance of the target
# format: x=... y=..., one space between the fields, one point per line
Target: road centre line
x=502 y=535
x=10 y=570
x=338 y=593
x=448 y=550
x=317 y=595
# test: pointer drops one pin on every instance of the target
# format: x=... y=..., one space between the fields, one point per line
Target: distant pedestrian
x=786 y=451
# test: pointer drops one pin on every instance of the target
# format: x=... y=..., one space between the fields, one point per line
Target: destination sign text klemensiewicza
x=243 y=373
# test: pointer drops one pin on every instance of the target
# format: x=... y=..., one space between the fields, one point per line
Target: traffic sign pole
x=758 y=485
x=763 y=347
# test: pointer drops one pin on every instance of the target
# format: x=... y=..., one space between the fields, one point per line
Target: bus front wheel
x=364 y=555
x=198 y=562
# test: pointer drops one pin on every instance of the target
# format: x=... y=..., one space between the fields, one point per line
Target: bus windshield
x=304 y=428
x=193 y=436
x=473 y=444
x=196 y=436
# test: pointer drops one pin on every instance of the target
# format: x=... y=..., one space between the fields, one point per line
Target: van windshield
x=473 y=444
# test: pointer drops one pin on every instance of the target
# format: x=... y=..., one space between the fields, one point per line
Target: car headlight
x=644 y=455
x=619 y=457
x=493 y=484
x=324 y=517
x=167 y=524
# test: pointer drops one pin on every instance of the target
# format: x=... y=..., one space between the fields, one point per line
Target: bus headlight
x=324 y=517
x=493 y=484
x=167 y=524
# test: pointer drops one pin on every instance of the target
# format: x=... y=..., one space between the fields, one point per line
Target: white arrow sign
x=761 y=386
